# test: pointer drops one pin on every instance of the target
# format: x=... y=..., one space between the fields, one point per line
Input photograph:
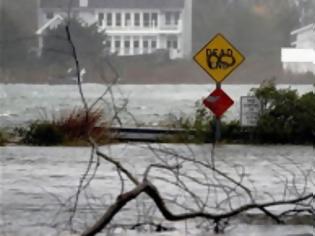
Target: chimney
x=84 y=3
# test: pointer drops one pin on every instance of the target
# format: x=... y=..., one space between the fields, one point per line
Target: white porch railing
x=152 y=29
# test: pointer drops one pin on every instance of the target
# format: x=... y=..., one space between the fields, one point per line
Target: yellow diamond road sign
x=219 y=58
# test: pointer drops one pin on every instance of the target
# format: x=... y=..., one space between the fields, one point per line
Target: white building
x=133 y=27
x=304 y=39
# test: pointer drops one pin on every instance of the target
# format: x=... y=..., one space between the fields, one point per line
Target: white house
x=133 y=27
x=305 y=59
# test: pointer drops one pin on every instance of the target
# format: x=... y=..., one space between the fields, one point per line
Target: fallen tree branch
x=153 y=193
x=121 y=201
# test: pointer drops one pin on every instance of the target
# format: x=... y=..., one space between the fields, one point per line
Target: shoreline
x=164 y=83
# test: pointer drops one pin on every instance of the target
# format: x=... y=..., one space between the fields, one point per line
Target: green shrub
x=197 y=126
x=43 y=133
x=286 y=117
x=3 y=139
x=305 y=118
x=232 y=131
x=201 y=127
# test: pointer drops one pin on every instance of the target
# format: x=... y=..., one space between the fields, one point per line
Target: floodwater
x=38 y=186
x=145 y=104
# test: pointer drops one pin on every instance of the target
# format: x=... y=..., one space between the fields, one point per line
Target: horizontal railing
x=148 y=134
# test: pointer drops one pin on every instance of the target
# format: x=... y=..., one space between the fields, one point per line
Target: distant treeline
x=256 y=27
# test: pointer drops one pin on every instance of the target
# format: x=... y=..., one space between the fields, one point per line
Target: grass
x=79 y=124
x=3 y=138
x=72 y=127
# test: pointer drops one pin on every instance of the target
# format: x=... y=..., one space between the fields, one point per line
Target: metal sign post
x=218 y=58
x=218 y=102
x=217 y=136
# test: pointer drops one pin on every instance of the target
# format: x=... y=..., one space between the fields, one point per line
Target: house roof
x=48 y=23
x=130 y=4
x=310 y=27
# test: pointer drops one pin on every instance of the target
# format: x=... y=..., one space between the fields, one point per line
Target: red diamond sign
x=218 y=102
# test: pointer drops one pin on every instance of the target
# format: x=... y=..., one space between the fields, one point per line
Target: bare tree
x=227 y=195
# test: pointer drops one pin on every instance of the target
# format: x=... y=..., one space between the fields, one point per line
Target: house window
x=127 y=44
x=172 y=17
x=117 y=44
x=145 y=44
x=49 y=15
x=127 y=19
x=172 y=44
x=169 y=44
x=118 y=19
x=100 y=18
x=136 y=44
x=175 y=44
x=108 y=43
x=109 y=19
x=146 y=19
x=168 y=17
x=176 y=17
x=137 y=19
x=154 y=18
x=153 y=44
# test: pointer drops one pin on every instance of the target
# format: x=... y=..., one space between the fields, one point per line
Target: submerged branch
x=153 y=193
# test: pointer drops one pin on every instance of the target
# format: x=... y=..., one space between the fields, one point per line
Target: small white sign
x=250 y=110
